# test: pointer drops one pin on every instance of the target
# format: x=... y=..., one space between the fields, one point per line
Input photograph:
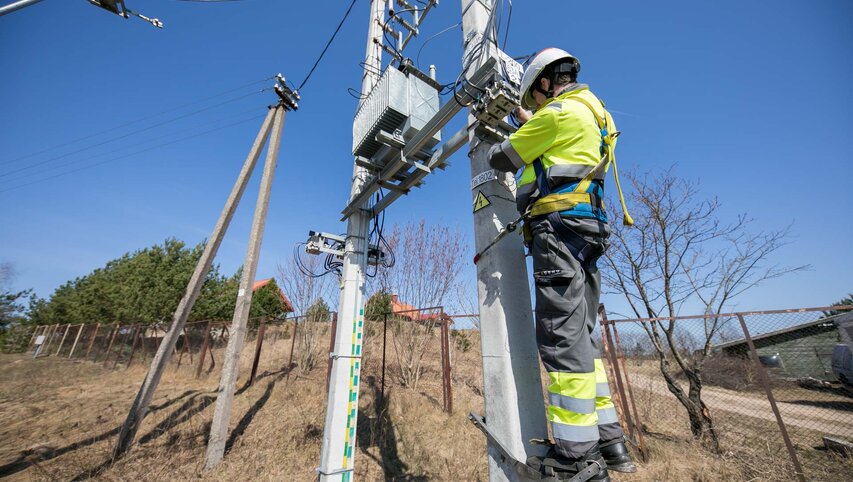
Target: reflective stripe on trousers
x=579 y=405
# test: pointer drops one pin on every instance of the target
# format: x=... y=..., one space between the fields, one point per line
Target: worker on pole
x=565 y=147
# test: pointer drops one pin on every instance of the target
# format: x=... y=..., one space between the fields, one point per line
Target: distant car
x=842 y=363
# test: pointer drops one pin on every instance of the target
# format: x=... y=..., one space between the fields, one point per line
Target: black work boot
x=616 y=455
x=590 y=467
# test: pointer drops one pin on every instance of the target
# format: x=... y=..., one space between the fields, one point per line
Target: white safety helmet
x=538 y=64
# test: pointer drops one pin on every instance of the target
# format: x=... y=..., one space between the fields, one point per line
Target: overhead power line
x=89 y=166
x=123 y=136
x=135 y=121
x=331 y=39
x=126 y=147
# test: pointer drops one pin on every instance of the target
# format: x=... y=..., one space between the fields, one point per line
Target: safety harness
x=581 y=199
x=568 y=198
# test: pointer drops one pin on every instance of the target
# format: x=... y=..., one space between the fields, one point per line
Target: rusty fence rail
x=774 y=382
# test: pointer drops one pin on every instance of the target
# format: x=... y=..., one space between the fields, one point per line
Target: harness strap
x=562 y=202
x=541 y=181
x=580 y=248
x=608 y=141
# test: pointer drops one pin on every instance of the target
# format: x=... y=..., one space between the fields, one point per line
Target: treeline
x=145 y=286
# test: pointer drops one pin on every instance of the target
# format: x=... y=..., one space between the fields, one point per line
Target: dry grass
x=59 y=419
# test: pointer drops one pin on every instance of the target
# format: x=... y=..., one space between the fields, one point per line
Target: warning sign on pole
x=480 y=201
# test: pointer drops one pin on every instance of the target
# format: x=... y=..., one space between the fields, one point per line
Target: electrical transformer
x=399 y=104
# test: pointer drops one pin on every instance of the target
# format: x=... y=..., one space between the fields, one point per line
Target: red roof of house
x=408 y=311
x=261 y=283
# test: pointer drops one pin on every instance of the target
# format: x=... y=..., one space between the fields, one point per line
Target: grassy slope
x=59 y=419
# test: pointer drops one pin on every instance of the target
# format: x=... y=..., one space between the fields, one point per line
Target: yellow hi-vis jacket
x=569 y=135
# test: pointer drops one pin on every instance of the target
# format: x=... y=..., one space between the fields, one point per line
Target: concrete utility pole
x=336 y=456
x=140 y=405
x=512 y=389
x=237 y=333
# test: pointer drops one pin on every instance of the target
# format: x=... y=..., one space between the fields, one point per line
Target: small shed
x=798 y=351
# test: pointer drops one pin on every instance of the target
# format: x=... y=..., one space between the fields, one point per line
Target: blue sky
x=752 y=99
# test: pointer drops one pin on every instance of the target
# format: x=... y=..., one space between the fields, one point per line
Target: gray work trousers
x=567 y=295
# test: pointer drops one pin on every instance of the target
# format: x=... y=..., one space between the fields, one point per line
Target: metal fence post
x=293 y=341
x=644 y=451
x=262 y=329
x=765 y=381
x=611 y=354
x=445 y=366
x=184 y=349
x=384 y=343
x=204 y=348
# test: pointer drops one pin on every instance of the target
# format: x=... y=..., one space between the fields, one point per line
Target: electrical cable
x=356 y=94
x=129 y=146
x=331 y=39
x=418 y=56
x=508 y=20
x=131 y=154
x=305 y=270
x=123 y=136
x=377 y=230
x=136 y=121
x=393 y=42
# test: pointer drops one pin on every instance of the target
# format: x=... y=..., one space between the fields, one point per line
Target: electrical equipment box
x=398 y=104
x=319 y=243
x=495 y=103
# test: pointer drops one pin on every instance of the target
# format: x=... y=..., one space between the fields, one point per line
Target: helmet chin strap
x=566 y=67
x=547 y=93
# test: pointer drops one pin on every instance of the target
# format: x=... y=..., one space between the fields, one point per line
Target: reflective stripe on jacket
x=563 y=134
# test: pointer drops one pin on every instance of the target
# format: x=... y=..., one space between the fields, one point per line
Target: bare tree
x=308 y=292
x=679 y=252
x=428 y=262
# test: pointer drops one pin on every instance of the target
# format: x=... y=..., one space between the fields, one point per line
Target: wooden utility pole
x=237 y=334
x=164 y=352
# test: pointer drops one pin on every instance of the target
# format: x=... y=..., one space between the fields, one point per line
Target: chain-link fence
x=770 y=388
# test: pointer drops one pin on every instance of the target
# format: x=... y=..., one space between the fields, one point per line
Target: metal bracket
x=334 y=472
x=488 y=133
x=335 y=245
x=289 y=97
x=335 y=356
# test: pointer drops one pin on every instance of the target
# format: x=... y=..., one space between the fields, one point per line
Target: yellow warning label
x=481 y=201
